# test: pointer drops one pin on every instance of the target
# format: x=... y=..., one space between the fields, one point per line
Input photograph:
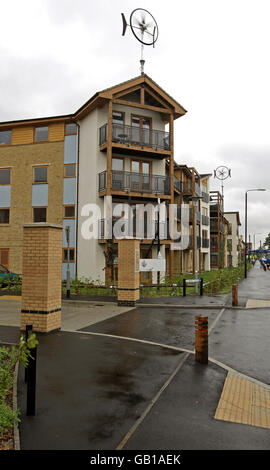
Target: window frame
x=6 y=130
x=75 y=167
x=4 y=249
x=71 y=133
x=6 y=169
x=5 y=224
x=33 y=213
x=71 y=249
x=64 y=209
x=40 y=140
x=37 y=167
x=123 y=116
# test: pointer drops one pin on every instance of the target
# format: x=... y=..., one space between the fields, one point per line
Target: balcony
x=131 y=139
x=187 y=188
x=198 y=191
x=145 y=232
x=178 y=185
x=136 y=182
x=205 y=243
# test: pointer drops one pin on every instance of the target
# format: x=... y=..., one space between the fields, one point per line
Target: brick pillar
x=42 y=277
x=128 y=271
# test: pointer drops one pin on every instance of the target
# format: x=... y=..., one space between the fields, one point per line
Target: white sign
x=193 y=280
x=152 y=265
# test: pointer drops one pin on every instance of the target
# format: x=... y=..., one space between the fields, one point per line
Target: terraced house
x=119 y=144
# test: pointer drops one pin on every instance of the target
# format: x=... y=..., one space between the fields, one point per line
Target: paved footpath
x=128 y=379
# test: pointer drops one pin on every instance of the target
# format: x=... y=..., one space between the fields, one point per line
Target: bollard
x=184 y=288
x=201 y=339
x=201 y=286
x=235 y=294
x=28 y=329
x=31 y=384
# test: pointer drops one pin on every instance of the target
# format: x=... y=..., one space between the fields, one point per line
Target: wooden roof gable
x=119 y=94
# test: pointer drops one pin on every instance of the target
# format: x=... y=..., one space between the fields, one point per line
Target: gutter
x=77 y=197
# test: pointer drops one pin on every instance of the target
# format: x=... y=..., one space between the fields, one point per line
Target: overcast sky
x=212 y=56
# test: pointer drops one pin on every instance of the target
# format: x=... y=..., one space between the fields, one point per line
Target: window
x=5 y=137
x=71 y=128
x=141 y=130
x=40 y=174
x=39 y=214
x=71 y=255
x=118 y=118
x=70 y=170
x=69 y=212
x=118 y=164
x=4 y=216
x=4 y=259
x=4 y=176
x=41 y=133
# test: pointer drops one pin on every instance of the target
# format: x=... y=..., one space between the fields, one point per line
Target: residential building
x=205 y=222
x=218 y=232
x=119 y=144
x=233 y=219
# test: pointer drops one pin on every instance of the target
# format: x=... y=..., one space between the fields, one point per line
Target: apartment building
x=38 y=181
x=119 y=144
x=218 y=232
x=205 y=222
x=233 y=249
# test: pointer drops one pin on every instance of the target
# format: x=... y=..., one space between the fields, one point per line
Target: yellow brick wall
x=42 y=275
x=21 y=159
x=127 y=277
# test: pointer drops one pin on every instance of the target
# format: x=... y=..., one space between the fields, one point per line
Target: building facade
x=233 y=250
x=118 y=148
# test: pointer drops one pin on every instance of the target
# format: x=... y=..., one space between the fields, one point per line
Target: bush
x=8 y=359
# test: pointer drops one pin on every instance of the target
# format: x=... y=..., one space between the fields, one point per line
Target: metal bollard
x=184 y=288
x=201 y=286
x=28 y=329
x=201 y=339
x=31 y=384
x=235 y=294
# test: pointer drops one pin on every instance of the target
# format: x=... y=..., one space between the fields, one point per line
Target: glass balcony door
x=141 y=177
x=141 y=130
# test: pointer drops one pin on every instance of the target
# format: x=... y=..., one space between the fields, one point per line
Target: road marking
x=215 y=321
x=150 y=406
x=151 y=343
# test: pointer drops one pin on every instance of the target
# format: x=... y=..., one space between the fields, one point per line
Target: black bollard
x=28 y=328
x=184 y=288
x=201 y=286
x=31 y=384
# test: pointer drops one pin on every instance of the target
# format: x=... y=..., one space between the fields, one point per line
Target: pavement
x=127 y=379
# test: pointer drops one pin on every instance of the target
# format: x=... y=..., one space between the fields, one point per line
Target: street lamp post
x=248 y=190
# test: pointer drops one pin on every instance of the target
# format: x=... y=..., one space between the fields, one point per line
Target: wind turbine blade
x=124 y=24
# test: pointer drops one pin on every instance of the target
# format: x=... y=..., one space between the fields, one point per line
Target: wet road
x=170 y=326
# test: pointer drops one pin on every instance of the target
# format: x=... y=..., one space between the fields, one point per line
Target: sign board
x=152 y=265
x=192 y=280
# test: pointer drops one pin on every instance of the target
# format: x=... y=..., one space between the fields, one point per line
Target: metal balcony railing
x=177 y=184
x=131 y=135
x=136 y=182
x=198 y=190
x=187 y=187
x=146 y=231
